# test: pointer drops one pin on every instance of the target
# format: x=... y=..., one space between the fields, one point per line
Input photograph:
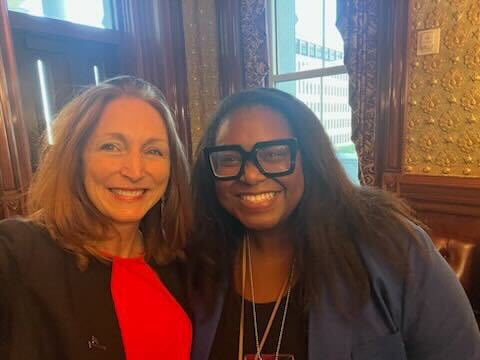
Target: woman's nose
x=251 y=173
x=133 y=166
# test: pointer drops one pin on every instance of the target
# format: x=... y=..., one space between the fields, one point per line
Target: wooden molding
x=450 y=206
x=392 y=77
x=153 y=50
x=15 y=164
x=230 y=60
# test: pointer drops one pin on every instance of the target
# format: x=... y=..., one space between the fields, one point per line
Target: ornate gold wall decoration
x=469 y=141
x=476 y=34
x=433 y=64
x=455 y=3
x=445 y=159
x=413 y=122
x=452 y=80
x=474 y=14
x=471 y=101
x=427 y=142
x=449 y=121
x=472 y=57
x=416 y=83
x=455 y=38
x=430 y=103
x=442 y=127
x=413 y=159
x=434 y=19
x=201 y=46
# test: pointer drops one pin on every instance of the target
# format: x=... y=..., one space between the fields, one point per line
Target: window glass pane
x=306 y=36
x=333 y=112
x=97 y=13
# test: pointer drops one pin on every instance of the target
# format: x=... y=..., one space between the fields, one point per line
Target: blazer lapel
x=205 y=326
x=92 y=307
x=329 y=335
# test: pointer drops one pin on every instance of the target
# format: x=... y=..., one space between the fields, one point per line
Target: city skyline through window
x=307 y=62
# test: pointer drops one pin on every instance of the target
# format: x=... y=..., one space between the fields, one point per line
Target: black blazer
x=49 y=309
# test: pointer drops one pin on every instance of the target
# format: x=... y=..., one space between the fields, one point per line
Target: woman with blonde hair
x=96 y=268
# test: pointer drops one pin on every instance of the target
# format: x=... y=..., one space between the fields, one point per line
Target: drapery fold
x=357 y=21
x=254 y=41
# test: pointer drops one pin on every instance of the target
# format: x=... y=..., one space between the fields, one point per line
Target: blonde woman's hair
x=57 y=199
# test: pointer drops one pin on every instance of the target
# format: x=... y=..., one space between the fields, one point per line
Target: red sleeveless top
x=152 y=323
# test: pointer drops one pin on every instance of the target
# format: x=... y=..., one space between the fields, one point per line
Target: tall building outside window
x=307 y=62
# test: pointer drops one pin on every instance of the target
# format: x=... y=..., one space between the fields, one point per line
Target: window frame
x=302 y=77
x=273 y=77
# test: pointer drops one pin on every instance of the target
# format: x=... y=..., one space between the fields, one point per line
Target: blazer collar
x=205 y=325
x=329 y=334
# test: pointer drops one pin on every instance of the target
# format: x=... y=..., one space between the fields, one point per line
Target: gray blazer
x=425 y=317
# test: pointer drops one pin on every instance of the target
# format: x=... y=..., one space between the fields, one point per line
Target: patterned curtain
x=357 y=22
x=254 y=42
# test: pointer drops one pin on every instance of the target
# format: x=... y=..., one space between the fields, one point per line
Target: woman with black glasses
x=290 y=260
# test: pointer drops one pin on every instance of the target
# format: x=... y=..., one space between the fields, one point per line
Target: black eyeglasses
x=272 y=159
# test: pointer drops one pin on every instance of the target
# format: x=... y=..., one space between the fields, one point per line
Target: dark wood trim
x=175 y=67
x=15 y=165
x=230 y=61
x=449 y=205
x=392 y=76
x=154 y=50
x=54 y=27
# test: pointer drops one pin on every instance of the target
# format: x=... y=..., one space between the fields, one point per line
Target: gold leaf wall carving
x=201 y=44
x=443 y=110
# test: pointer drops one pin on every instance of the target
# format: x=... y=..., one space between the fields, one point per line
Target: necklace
x=288 y=282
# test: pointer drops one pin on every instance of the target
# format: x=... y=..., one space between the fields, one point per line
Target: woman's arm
x=438 y=321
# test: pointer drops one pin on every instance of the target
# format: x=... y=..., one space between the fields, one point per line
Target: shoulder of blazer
x=22 y=239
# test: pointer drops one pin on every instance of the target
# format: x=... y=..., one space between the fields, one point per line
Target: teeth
x=258 y=197
x=131 y=193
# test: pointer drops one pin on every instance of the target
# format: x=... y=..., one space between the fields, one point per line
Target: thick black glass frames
x=272 y=158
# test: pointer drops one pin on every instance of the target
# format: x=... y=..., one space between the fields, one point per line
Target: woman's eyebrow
x=155 y=139
x=114 y=135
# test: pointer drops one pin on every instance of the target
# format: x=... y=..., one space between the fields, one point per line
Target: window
x=96 y=13
x=311 y=24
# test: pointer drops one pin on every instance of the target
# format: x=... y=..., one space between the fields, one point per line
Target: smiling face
x=126 y=163
x=258 y=202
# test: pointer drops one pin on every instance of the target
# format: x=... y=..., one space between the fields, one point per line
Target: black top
x=295 y=338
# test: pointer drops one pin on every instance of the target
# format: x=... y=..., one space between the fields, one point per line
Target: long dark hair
x=331 y=219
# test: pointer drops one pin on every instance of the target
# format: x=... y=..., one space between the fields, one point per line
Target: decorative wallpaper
x=201 y=46
x=443 y=110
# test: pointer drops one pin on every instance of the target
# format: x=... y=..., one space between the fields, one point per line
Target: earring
x=162 y=213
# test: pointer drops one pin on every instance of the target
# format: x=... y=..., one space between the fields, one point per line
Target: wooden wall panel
x=230 y=47
x=15 y=165
x=154 y=50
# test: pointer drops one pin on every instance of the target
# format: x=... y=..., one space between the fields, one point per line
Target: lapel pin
x=93 y=343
